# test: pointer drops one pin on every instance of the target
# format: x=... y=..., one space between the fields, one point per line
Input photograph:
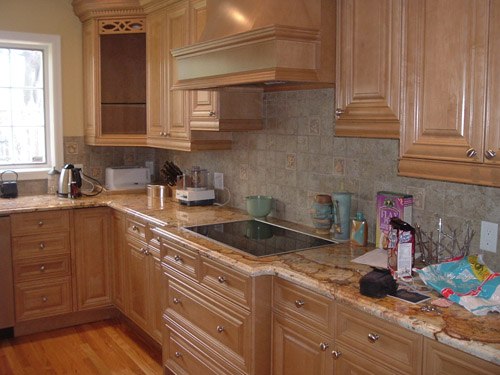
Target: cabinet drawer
x=185 y=358
x=226 y=326
x=304 y=305
x=136 y=228
x=36 y=268
x=230 y=283
x=41 y=299
x=180 y=258
x=393 y=346
x=27 y=247
x=40 y=222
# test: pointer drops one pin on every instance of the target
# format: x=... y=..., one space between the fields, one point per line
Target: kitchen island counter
x=327 y=270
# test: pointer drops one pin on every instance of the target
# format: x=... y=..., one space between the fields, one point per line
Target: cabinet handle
x=40 y=223
x=176 y=301
x=178 y=354
x=490 y=154
x=44 y=299
x=135 y=228
x=42 y=245
x=162 y=134
x=373 y=337
x=299 y=303
x=471 y=153
x=42 y=268
x=336 y=354
x=323 y=346
x=221 y=279
x=158 y=239
x=146 y=252
x=220 y=329
x=177 y=258
x=339 y=112
x=211 y=113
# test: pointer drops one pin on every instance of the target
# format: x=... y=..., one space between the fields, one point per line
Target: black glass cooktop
x=259 y=238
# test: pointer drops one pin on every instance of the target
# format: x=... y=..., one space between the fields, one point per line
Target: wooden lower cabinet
x=444 y=360
x=92 y=253
x=298 y=349
x=119 y=266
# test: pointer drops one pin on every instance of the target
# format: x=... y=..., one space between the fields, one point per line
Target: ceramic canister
x=321 y=213
x=341 y=214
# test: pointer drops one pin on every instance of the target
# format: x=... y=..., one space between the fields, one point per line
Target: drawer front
x=231 y=284
x=37 y=299
x=304 y=305
x=184 y=357
x=37 y=268
x=225 y=326
x=393 y=346
x=136 y=228
x=180 y=258
x=40 y=222
x=27 y=247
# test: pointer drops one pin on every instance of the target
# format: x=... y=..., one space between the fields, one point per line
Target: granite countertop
x=328 y=270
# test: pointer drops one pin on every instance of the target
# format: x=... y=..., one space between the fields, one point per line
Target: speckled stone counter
x=328 y=270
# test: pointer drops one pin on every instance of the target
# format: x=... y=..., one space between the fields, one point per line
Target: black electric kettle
x=70 y=182
x=8 y=187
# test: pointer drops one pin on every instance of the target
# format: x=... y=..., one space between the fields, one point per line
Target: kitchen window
x=30 y=103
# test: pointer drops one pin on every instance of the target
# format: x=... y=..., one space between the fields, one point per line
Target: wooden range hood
x=261 y=41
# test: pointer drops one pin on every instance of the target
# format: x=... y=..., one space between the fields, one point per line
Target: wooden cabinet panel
x=138 y=281
x=369 y=50
x=298 y=350
x=40 y=222
x=35 y=246
x=36 y=268
x=156 y=298
x=92 y=252
x=351 y=362
x=38 y=299
x=136 y=228
x=444 y=360
x=119 y=263
x=181 y=259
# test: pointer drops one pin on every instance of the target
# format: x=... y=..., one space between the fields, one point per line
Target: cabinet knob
x=176 y=300
x=490 y=154
x=336 y=354
x=221 y=279
x=42 y=245
x=211 y=113
x=158 y=239
x=40 y=223
x=146 y=252
x=339 y=112
x=135 y=228
x=220 y=329
x=177 y=258
x=323 y=346
x=471 y=153
x=373 y=337
x=178 y=354
x=299 y=303
x=42 y=268
x=44 y=299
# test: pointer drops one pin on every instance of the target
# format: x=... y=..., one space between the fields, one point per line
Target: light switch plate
x=489 y=236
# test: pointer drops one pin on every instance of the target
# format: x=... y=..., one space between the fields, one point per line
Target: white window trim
x=52 y=45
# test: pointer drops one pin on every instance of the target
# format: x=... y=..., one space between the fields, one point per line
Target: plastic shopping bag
x=466 y=281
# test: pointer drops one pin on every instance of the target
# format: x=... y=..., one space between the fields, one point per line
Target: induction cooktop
x=259 y=238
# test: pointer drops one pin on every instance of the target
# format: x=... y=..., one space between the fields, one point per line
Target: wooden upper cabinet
x=369 y=50
x=114 y=61
x=451 y=91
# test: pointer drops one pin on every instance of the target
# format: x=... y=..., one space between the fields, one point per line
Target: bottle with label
x=359 y=230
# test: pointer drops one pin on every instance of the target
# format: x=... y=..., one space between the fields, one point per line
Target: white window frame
x=51 y=46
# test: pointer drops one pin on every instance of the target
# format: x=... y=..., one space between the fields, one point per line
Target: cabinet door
x=492 y=137
x=444 y=96
x=298 y=350
x=177 y=32
x=156 y=298
x=92 y=244
x=368 y=68
x=351 y=362
x=444 y=360
x=138 y=284
x=119 y=257
x=156 y=73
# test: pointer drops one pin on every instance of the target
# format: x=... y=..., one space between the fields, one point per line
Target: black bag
x=378 y=284
x=8 y=188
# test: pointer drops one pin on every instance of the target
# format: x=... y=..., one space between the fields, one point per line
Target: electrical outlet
x=489 y=235
x=218 y=180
